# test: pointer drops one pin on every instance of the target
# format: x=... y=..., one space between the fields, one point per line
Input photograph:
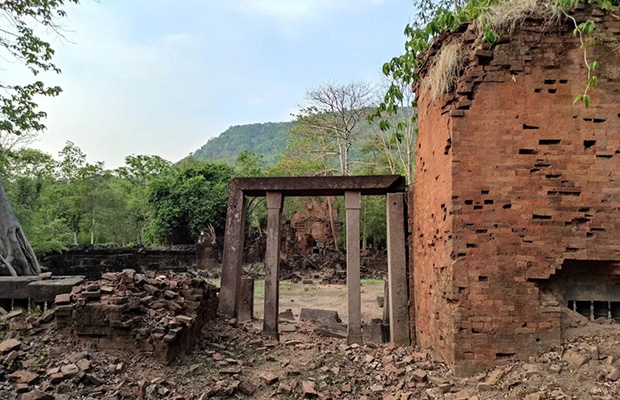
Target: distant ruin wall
x=93 y=261
x=512 y=180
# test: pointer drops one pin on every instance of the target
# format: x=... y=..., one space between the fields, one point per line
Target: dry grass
x=507 y=16
x=443 y=74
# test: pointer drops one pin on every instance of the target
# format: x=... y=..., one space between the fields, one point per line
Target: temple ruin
x=517 y=192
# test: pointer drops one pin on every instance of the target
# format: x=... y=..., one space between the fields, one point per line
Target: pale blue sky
x=163 y=76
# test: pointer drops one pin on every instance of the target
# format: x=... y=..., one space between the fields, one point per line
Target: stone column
x=352 y=205
x=397 y=270
x=272 y=265
x=233 y=251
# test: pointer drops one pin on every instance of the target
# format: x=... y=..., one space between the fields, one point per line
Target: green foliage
x=18 y=111
x=267 y=140
x=184 y=202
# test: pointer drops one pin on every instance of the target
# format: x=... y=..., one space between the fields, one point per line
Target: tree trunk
x=16 y=255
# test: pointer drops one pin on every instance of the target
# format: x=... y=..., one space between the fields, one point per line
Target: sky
x=163 y=76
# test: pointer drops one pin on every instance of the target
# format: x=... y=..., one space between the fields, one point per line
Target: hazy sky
x=163 y=76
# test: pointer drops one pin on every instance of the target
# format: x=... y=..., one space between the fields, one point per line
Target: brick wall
x=528 y=180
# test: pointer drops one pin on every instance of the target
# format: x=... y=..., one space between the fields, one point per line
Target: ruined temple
x=516 y=212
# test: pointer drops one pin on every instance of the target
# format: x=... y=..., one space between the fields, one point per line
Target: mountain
x=267 y=139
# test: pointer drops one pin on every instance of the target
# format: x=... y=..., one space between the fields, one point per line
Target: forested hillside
x=266 y=139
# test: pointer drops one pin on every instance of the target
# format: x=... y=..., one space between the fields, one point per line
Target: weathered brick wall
x=534 y=181
x=432 y=272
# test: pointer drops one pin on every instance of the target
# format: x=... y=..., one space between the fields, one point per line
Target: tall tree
x=19 y=114
x=333 y=116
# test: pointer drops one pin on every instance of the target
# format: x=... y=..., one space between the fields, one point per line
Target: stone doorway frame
x=352 y=188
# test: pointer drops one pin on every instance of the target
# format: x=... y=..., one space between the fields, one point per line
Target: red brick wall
x=432 y=272
x=528 y=188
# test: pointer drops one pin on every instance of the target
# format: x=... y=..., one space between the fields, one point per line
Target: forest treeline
x=68 y=199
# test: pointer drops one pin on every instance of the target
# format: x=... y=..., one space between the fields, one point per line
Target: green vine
x=419 y=39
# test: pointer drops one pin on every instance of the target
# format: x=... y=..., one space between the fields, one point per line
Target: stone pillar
x=245 y=310
x=352 y=205
x=272 y=265
x=397 y=270
x=233 y=251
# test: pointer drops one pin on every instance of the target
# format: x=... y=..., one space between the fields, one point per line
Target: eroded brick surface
x=512 y=179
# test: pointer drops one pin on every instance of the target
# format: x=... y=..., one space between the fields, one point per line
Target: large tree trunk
x=16 y=255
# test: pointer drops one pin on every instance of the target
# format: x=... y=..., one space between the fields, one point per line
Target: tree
x=332 y=118
x=19 y=114
x=185 y=202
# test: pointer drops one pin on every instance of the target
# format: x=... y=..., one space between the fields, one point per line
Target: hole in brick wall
x=534 y=170
x=537 y=339
x=577 y=221
x=477 y=207
x=549 y=141
x=553 y=176
x=541 y=164
x=488 y=202
x=552 y=91
x=549 y=81
x=564 y=193
x=563 y=81
x=469 y=202
x=470 y=225
x=504 y=356
x=448 y=146
x=597 y=229
x=599 y=120
x=587 y=119
x=507 y=206
x=552 y=192
x=540 y=216
x=584 y=209
x=482 y=278
x=471 y=245
x=527 y=151
x=484 y=191
x=604 y=155
x=526 y=126
x=524 y=325
x=461 y=254
x=537 y=90
x=572 y=249
x=474 y=330
x=481 y=231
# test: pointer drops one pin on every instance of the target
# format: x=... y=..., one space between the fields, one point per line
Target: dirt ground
x=234 y=361
x=296 y=296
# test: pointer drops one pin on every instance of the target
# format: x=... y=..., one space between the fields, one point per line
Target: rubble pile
x=158 y=313
x=232 y=360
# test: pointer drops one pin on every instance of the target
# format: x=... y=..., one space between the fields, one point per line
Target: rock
x=270 y=378
x=70 y=370
x=308 y=389
x=614 y=374
x=247 y=388
x=492 y=380
x=534 y=396
x=377 y=388
x=346 y=388
x=56 y=377
x=574 y=359
x=287 y=315
x=9 y=345
x=23 y=376
x=329 y=327
x=36 y=395
x=316 y=315
x=62 y=299
x=418 y=375
x=287 y=328
x=83 y=364
x=11 y=315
